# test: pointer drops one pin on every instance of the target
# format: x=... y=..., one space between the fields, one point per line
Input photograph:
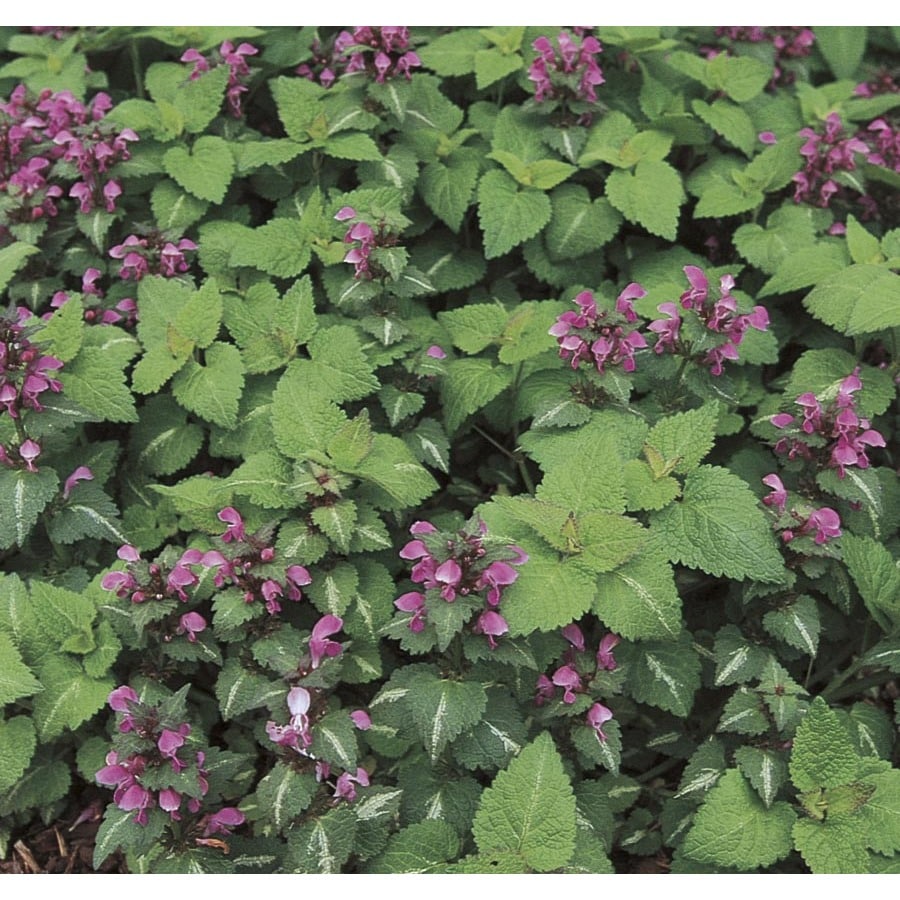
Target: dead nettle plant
x=405 y=429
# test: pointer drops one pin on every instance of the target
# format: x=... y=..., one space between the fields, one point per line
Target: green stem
x=135 y=55
x=835 y=692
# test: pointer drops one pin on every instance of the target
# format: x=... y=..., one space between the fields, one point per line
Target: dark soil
x=62 y=848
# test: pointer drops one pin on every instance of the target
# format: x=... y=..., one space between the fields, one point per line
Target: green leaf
x=651 y=196
x=95 y=380
x=334 y=740
x=119 y=830
x=859 y=299
x=881 y=812
x=11 y=260
x=864 y=247
x=394 y=470
x=447 y=187
x=443 y=709
x=173 y=209
x=195 y=103
x=283 y=794
x=548 y=594
x=23 y=497
x=797 y=623
x=509 y=215
x=63 y=333
x=239 y=689
x=823 y=755
x=734 y=828
x=876 y=575
x=683 y=439
x=529 y=809
x=323 y=845
x=496 y=738
x=16 y=679
x=766 y=770
x=163 y=441
x=212 y=389
x=639 y=599
x=89 y=512
x=579 y=225
x=281 y=248
x=205 y=170
x=737 y=659
x=663 y=673
x=17 y=742
x=730 y=121
x=69 y=697
x=719 y=528
x=646 y=490
x=41 y=785
x=418 y=848
x=474 y=326
x=843 y=48
x=836 y=847
x=469 y=385
x=492 y=65
x=453 y=53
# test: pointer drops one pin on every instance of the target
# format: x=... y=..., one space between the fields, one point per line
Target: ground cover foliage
x=451 y=450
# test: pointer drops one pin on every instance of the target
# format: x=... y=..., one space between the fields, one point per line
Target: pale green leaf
x=530 y=809
x=734 y=828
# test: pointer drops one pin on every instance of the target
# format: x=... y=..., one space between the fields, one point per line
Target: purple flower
x=413 y=602
x=605 y=658
x=778 y=497
x=30 y=450
x=192 y=624
x=344 y=786
x=223 y=821
x=597 y=715
x=492 y=624
x=120 y=699
x=319 y=644
x=569 y=680
x=826 y=523
x=573 y=634
x=361 y=719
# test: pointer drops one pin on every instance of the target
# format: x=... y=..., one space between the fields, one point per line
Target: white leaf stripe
x=737 y=659
x=649 y=600
x=334 y=740
x=319 y=847
x=438 y=728
x=100 y=520
x=804 y=633
x=22 y=529
x=656 y=667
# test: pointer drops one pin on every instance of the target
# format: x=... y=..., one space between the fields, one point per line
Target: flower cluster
x=238 y=69
x=457 y=565
x=55 y=134
x=25 y=375
x=826 y=154
x=158 y=770
x=251 y=567
x=365 y=239
x=708 y=319
x=379 y=52
x=882 y=83
x=789 y=43
x=567 y=73
x=835 y=436
x=297 y=736
x=574 y=676
x=824 y=522
x=601 y=337
x=884 y=144
x=154 y=254
x=123 y=313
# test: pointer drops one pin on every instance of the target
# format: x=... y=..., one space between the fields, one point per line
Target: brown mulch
x=61 y=848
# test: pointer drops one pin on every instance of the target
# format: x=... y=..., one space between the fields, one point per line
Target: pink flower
x=492 y=624
x=605 y=658
x=572 y=633
x=344 y=786
x=223 y=821
x=361 y=719
x=413 y=602
x=235 y=530
x=568 y=679
x=319 y=644
x=827 y=524
x=778 y=497
x=597 y=715
x=82 y=473
x=192 y=624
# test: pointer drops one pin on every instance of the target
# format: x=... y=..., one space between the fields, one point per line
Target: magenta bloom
x=778 y=497
x=573 y=634
x=492 y=624
x=319 y=644
x=569 y=680
x=344 y=786
x=361 y=719
x=121 y=697
x=223 y=821
x=597 y=715
x=192 y=624
x=827 y=524
x=605 y=658
x=413 y=602
x=82 y=473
